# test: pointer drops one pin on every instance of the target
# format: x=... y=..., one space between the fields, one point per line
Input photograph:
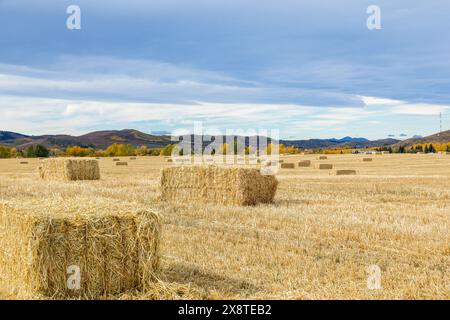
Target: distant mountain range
x=103 y=139
x=336 y=143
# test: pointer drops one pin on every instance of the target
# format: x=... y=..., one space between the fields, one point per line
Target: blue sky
x=311 y=69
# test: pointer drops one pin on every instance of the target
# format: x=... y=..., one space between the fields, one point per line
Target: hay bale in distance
x=323 y=158
x=215 y=184
x=287 y=165
x=367 y=159
x=304 y=163
x=121 y=163
x=325 y=166
x=116 y=159
x=113 y=245
x=132 y=158
x=69 y=169
x=169 y=160
x=23 y=162
x=345 y=172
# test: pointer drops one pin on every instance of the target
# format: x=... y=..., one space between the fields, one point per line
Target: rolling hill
x=103 y=139
x=443 y=137
x=98 y=139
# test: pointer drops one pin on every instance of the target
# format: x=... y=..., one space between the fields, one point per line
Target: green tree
x=432 y=149
x=5 y=152
x=38 y=151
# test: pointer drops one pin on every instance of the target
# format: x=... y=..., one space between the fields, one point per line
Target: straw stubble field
x=315 y=241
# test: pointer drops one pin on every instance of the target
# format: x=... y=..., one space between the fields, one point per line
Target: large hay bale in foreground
x=304 y=163
x=367 y=159
x=287 y=165
x=121 y=163
x=325 y=166
x=77 y=248
x=69 y=169
x=345 y=172
x=323 y=158
x=223 y=185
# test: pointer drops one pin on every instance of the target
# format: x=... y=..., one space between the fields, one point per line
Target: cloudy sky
x=311 y=69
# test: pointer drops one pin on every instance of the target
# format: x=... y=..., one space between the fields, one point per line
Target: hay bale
x=304 y=163
x=114 y=245
x=287 y=165
x=367 y=159
x=214 y=184
x=345 y=172
x=378 y=153
x=323 y=158
x=116 y=159
x=132 y=158
x=23 y=162
x=325 y=166
x=121 y=163
x=169 y=160
x=280 y=161
x=69 y=169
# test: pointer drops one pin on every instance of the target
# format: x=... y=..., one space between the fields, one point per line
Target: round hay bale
x=367 y=159
x=121 y=163
x=288 y=165
x=323 y=158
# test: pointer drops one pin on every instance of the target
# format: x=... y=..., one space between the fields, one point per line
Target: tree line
x=123 y=150
x=118 y=150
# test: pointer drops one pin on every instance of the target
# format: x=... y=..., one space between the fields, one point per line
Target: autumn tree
x=120 y=150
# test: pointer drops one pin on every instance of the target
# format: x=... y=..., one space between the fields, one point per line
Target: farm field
x=315 y=241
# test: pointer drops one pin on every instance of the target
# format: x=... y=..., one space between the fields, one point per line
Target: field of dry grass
x=315 y=241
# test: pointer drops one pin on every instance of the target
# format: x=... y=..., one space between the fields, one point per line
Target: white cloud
x=111 y=79
x=376 y=101
x=403 y=107
x=420 y=109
